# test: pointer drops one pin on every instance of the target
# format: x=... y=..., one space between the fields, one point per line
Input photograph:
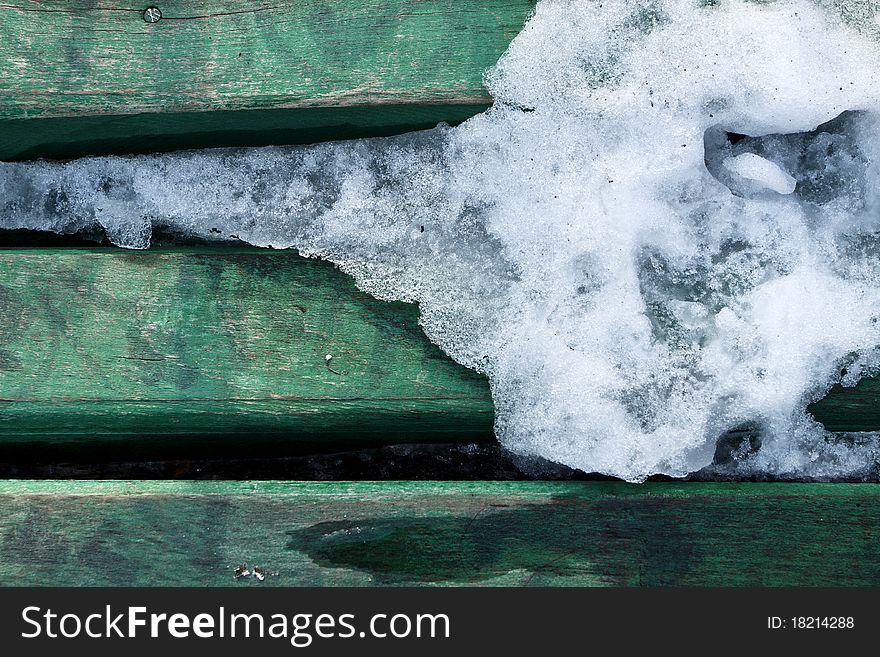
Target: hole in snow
x=819 y=166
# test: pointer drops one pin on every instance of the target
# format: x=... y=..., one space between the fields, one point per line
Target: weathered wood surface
x=381 y=65
x=483 y=533
x=156 y=354
x=161 y=350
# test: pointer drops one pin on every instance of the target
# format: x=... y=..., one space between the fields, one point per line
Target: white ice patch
x=761 y=172
x=585 y=242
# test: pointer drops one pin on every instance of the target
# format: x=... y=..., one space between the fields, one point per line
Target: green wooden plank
x=379 y=65
x=855 y=408
x=160 y=353
x=211 y=346
x=484 y=533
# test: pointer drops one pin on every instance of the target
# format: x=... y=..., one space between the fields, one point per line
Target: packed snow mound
x=666 y=228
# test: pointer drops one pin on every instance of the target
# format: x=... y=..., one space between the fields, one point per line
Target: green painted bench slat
x=166 y=352
x=87 y=78
x=855 y=408
x=77 y=533
x=208 y=346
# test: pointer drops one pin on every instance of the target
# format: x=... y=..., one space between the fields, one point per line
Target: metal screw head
x=152 y=14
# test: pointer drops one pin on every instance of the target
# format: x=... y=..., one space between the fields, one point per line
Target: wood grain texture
x=399 y=62
x=213 y=346
x=159 y=354
x=480 y=533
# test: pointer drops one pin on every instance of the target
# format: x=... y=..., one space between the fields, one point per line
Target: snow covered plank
x=89 y=78
x=242 y=351
x=157 y=354
x=76 y=533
